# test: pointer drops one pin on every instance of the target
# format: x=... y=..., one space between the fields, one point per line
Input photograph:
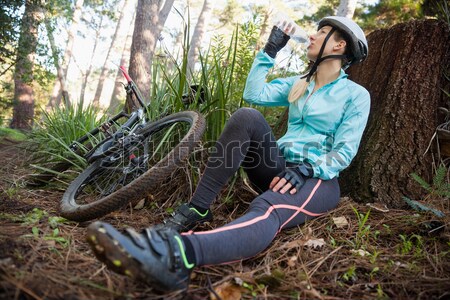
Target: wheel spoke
x=132 y=157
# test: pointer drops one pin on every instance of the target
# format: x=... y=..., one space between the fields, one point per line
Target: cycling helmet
x=354 y=36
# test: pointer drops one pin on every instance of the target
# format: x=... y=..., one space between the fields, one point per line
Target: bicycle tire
x=148 y=181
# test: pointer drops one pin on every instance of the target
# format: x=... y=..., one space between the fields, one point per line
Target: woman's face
x=316 y=41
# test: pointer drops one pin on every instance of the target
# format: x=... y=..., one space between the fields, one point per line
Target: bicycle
x=131 y=159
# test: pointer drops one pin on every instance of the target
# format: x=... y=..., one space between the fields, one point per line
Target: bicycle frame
x=136 y=117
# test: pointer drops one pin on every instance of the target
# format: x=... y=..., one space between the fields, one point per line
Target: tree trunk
x=150 y=19
x=346 y=8
x=59 y=70
x=23 y=111
x=404 y=75
x=119 y=92
x=198 y=34
x=60 y=89
x=104 y=73
x=89 y=69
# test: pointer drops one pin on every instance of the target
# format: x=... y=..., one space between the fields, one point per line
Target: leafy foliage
x=58 y=129
x=387 y=13
x=440 y=186
x=9 y=31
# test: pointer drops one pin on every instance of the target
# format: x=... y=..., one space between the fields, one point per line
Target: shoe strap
x=180 y=216
x=136 y=237
x=184 y=210
x=174 y=249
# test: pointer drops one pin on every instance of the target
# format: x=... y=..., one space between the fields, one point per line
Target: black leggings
x=247 y=141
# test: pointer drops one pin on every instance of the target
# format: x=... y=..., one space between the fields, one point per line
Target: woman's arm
x=258 y=91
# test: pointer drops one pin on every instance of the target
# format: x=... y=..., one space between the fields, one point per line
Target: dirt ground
x=355 y=252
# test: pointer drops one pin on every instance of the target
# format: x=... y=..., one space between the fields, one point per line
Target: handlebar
x=132 y=88
x=124 y=72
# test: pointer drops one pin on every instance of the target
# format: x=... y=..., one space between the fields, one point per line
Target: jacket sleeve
x=258 y=91
x=346 y=138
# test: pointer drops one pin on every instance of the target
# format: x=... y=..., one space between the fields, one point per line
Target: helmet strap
x=320 y=58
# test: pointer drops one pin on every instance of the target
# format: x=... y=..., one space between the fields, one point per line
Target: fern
x=425 y=185
x=439 y=179
x=440 y=186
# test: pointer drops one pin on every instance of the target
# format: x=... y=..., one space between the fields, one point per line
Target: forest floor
x=357 y=251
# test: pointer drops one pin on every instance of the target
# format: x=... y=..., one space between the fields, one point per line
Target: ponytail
x=299 y=89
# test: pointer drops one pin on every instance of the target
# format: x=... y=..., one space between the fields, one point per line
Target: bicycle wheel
x=138 y=164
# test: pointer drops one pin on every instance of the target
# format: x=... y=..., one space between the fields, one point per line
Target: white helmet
x=353 y=34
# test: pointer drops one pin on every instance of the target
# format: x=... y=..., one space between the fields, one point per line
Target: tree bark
x=104 y=73
x=404 y=75
x=60 y=89
x=198 y=34
x=23 y=111
x=150 y=19
x=346 y=8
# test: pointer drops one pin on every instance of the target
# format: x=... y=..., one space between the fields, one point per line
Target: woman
x=297 y=175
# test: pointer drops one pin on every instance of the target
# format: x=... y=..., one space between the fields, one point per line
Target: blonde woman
x=296 y=175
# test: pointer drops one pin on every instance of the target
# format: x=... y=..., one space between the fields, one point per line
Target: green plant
x=374 y=271
x=440 y=186
x=411 y=243
x=380 y=293
x=363 y=229
x=350 y=274
x=50 y=140
x=253 y=289
x=11 y=134
x=373 y=256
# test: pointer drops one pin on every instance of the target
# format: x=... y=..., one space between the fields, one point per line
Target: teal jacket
x=324 y=128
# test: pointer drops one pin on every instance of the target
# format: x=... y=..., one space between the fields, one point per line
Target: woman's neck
x=327 y=72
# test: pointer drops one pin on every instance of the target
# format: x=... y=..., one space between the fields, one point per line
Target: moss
x=12 y=134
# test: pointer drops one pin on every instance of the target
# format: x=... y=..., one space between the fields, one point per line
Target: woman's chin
x=311 y=57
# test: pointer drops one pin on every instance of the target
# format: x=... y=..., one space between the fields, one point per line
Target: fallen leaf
x=292 y=261
x=226 y=291
x=140 y=204
x=294 y=244
x=360 y=252
x=340 y=222
x=315 y=243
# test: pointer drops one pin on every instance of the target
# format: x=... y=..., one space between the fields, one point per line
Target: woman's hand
x=292 y=178
x=277 y=40
x=282 y=185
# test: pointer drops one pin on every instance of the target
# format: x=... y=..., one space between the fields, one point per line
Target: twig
x=322 y=261
x=21 y=287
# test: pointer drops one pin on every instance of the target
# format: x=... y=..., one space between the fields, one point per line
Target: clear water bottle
x=283 y=22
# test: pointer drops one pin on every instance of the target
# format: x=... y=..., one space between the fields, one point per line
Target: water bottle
x=283 y=22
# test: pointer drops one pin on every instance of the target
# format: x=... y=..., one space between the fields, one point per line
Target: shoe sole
x=109 y=246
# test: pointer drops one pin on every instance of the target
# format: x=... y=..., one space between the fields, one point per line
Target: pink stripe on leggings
x=299 y=210
x=267 y=214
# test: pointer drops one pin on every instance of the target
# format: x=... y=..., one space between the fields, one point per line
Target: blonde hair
x=299 y=89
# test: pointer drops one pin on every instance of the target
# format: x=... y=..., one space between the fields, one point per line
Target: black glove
x=277 y=40
x=297 y=175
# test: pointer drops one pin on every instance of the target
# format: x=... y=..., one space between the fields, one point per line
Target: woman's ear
x=340 y=45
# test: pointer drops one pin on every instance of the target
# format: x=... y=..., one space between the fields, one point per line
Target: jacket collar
x=342 y=75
